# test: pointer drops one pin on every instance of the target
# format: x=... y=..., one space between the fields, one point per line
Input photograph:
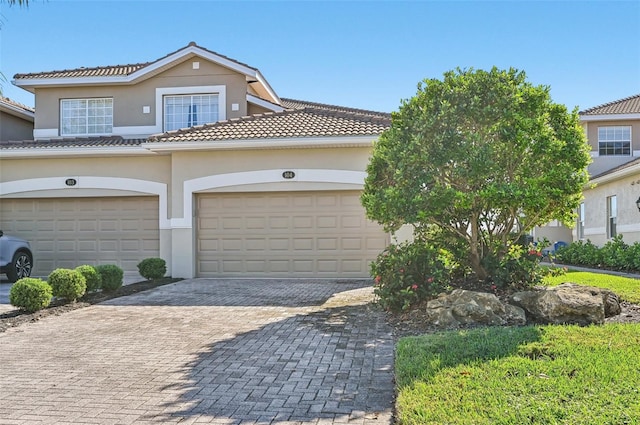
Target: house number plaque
x=288 y=175
x=71 y=182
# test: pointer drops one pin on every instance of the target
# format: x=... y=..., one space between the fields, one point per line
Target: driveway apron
x=206 y=351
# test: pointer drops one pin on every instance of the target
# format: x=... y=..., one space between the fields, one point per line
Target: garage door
x=73 y=231
x=280 y=234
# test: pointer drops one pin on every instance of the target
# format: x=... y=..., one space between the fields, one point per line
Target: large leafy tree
x=481 y=156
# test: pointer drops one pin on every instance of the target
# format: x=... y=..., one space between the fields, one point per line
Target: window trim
x=581 y=220
x=605 y=141
x=85 y=134
x=161 y=92
x=612 y=216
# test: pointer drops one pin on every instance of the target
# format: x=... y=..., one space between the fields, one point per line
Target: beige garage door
x=280 y=234
x=73 y=231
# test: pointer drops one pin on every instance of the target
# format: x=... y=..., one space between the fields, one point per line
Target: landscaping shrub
x=30 y=294
x=519 y=268
x=91 y=276
x=408 y=273
x=614 y=255
x=67 y=284
x=111 y=275
x=152 y=268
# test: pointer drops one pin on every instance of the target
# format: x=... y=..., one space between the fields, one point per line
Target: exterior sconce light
x=638 y=203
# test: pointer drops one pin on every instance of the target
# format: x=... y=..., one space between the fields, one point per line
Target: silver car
x=16 y=258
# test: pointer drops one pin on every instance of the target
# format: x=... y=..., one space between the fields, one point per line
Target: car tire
x=20 y=266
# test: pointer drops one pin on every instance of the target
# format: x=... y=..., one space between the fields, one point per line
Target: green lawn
x=527 y=375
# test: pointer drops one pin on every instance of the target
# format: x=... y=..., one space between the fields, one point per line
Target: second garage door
x=285 y=234
x=69 y=232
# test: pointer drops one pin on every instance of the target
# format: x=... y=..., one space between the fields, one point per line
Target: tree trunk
x=475 y=256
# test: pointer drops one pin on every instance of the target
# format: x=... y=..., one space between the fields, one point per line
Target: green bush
x=519 y=268
x=408 y=273
x=614 y=255
x=111 y=275
x=152 y=268
x=30 y=294
x=91 y=276
x=67 y=284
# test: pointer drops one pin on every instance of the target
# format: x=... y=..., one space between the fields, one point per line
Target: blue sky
x=361 y=54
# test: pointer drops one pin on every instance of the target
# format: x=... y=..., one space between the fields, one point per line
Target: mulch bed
x=17 y=317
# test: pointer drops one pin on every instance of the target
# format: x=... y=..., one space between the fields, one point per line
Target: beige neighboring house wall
x=16 y=120
x=270 y=190
x=614 y=175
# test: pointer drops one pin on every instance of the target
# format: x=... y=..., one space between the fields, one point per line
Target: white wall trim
x=263 y=103
x=46 y=152
x=628 y=228
x=94 y=182
x=261 y=176
x=220 y=90
x=135 y=131
x=591 y=231
x=45 y=133
x=609 y=117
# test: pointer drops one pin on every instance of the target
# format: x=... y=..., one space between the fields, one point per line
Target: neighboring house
x=195 y=159
x=16 y=120
x=611 y=207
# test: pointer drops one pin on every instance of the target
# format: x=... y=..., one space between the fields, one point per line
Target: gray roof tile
x=80 y=142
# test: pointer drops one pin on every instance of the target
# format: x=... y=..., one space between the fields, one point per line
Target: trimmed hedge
x=91 y=276
x=111 y=275
x=614 y=255
x=152 y=268
x=30 y=294
x=67 y=284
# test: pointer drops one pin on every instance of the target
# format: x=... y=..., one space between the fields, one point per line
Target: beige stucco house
x=610 y=204
x=16 y=120
x=193 y=158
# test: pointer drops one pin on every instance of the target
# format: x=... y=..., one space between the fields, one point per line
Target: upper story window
x=612 y=216
x=614 y=140
x=190 y=110
x=80 y=117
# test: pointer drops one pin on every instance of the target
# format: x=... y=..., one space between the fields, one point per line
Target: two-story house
x=16 y=120
x=193 y=158
x=612 y=201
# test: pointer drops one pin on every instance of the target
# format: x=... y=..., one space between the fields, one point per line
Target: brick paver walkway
x=207 y=352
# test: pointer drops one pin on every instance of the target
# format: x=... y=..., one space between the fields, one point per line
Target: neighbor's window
x=581 y=221
x=189 y=110
x=612 y=216
x=86 y=116
x=614 y=140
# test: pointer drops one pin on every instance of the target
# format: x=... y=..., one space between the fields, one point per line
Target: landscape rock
x=469 y=308
x=568 y=303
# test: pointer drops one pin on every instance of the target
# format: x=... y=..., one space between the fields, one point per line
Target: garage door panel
x=73 y=231
x=314 y=234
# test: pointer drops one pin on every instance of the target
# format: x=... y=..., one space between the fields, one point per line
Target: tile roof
x=631 y=163
x=15 y=104
x=299 y=123
x=628 y=105
x=84 y=142
x=301 y=104
x=113 y=70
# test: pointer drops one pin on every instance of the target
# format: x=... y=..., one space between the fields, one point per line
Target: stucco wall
x=14 y=128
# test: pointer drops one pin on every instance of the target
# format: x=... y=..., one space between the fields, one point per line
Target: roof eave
x=17 y=111
x=609 y=117
x=30 y=152
x=282 y=143
x=616 y=175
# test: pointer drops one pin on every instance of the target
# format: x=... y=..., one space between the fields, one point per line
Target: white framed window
x=580 y=224
x=614 y=140
x=83 y=117
x=189 y=110
x=183 y=107
x=612 y=216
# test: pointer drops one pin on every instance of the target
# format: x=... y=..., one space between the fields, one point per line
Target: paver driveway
x=205 y=351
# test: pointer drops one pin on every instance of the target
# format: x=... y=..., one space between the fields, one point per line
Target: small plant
x=408 y=273
x=67 y=284
x=152 y=268
x=111 y=275
x=30 y=294
x=91 y=276
x=519 y=268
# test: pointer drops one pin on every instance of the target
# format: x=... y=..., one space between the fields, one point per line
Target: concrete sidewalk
x=206 y=351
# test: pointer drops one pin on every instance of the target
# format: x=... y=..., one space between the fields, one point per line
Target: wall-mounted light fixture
x=638 y=203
